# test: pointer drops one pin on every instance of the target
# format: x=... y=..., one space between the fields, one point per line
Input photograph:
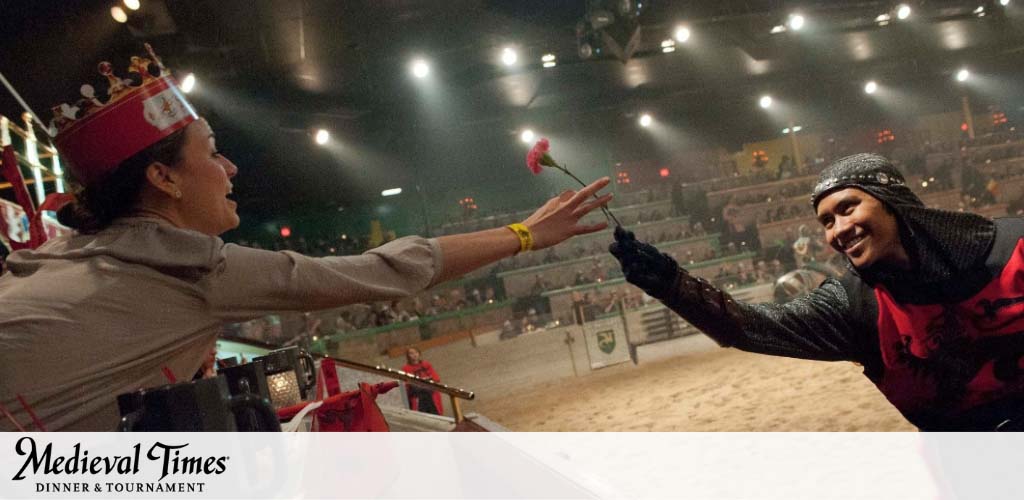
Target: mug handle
x=266 y=414
x=129 y=421
x=307 y=360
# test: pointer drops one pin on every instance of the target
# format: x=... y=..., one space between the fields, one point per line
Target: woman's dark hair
x=117 y=193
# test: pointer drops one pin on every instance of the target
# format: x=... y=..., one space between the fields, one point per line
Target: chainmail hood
x=947 y=249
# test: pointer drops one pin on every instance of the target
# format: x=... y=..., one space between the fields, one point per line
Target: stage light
x=796 y=22
x=903 y=11
x=547 y=58
x=883 y=18
x=668 y=46
x=420 y=68
x=870 y=87
x=1004 y=3
x=188 y=83
x=963 y=75
x=785 y=131
x=132 y=4
x=646 y=120
x=682 y=34
x=980 y=10
x=766 y=101
x=778 y=29
x=797 y=128
x=118 y=14
x=391 y=192
x=322 y=136
x=286 y=231
x=527 y=136
x=550 y=64
x=509 y=56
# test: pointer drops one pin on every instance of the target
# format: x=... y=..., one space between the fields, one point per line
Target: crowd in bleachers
x=697 y=224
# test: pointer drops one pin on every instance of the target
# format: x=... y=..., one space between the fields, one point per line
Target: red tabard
x=944 y=359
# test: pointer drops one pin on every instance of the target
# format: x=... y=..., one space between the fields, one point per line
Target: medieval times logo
x=78 y=471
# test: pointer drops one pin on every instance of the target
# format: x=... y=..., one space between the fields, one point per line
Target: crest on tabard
x=606 y=341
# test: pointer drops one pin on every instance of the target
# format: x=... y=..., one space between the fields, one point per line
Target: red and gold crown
x=94 y=137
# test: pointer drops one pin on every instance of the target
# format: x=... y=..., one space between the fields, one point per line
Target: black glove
x=643 y=265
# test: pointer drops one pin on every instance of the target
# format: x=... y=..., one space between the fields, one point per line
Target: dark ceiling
x=272 y=70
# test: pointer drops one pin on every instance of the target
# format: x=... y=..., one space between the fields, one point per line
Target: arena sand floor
x=722 y=390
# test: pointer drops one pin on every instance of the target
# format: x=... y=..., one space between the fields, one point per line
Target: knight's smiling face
x=860 y=226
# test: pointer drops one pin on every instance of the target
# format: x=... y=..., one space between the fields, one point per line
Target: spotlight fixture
x=391 y=192
x=132 y=4
x=682 y=34
x=883 y=18
x=668 y=45
x=797 y=128
x=785 y=131
x=509 y=56
x=1004 y=3
x=963 y=75
x=645 y=120
x=980 y=10
x=796 y=22
x=903 y=12
x=322 y=136
x=778 y=29
x=527 y=136
x=548 y=61
x=118 y=14
x=420 y=68
x=766 y=101
x=188 y=83
x=870 y=87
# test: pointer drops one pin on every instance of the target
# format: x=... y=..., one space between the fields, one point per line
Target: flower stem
x=607 y=213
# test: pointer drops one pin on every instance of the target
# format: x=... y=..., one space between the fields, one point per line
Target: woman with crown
x=144 y=286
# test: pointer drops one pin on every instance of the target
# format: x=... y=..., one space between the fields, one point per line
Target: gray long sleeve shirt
x=84 y=318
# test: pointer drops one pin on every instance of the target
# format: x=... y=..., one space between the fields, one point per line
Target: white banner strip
x=511 y=465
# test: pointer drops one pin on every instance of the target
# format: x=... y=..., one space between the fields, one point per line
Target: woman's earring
x=177 y=194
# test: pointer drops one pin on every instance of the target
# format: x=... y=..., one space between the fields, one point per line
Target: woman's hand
x=558 y=219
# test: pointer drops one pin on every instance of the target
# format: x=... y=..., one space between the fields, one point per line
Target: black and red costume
x=944 y=342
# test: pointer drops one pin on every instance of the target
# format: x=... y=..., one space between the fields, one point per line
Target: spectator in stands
x=678 y=201
x=540 y=284
x=342 y=324
x=422 y=399
x=786 y=168
x=475 y=297
x=508 y=331
x=927 y=306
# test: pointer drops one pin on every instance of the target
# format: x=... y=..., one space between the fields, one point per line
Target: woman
x=932 y=305
x=420 y=399
x=138 y=295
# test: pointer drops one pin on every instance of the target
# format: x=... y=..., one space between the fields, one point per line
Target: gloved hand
x=644 y=265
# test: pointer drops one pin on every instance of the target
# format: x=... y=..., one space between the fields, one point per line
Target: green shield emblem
x=606 y=341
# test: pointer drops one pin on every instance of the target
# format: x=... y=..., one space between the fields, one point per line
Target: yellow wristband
x=524 y=235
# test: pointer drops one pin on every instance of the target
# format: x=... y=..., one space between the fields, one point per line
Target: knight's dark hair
x=117 y=193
